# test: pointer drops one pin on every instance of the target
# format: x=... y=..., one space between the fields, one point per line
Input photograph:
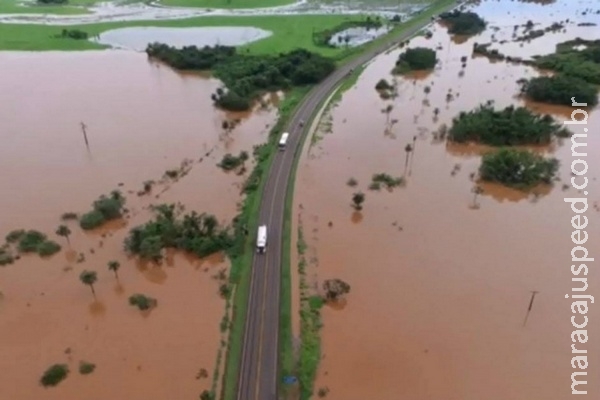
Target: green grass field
x=226 y=3
x=15 y=7
x=289 y=32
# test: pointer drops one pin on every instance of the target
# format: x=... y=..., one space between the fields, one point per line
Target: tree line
x=246 y=76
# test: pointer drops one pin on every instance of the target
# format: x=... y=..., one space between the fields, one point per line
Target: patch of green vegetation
x=73 y=34
x=106 y=208
x=142 y=302
x=54 y=375
x=560 y=89
x=415 y=59
x=226 y=3
x=323 y=37
x=383 y=84
x=69 y=216
x=463 y=22
x=33 y=241
x=197 y=233
x=387 y=180
x=47 y=248
x=578 y=63
x=231 y=162
x=53 y=2
x=519 y=169
x=289 y=32
x=508 y=127
x=246 y=76
x=86 y=368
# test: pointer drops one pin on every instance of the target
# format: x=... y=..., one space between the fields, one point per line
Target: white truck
x=283 y=140
x=261 y=239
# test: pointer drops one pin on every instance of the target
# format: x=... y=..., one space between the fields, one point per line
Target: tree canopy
x=463 y=22
x=335 y=288
x=571 y=60
x=560 y=89
x=507 y=127
x=519 y=169
x=416 y=59
x=104 y=209
x=246 y=76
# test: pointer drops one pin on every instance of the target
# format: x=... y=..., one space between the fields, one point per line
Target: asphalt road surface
x=258 y=374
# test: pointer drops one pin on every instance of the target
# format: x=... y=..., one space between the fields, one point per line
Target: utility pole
x=533 y=293
x=83 y=126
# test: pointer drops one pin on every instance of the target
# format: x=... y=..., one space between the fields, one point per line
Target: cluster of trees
x=519 y=169
x=247 y=76
x=335 y=288
x=463 y=23
x=30 y=241
x=583 y=64
x=142 y=302
x=416 y=59
x=74 y=34
x=507 y=127
x=106 y=208
x=197 y=233
x=560 y=89
x=323 y=38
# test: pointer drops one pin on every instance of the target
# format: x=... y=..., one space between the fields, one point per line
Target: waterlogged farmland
x=154 y=135
x=442 y=267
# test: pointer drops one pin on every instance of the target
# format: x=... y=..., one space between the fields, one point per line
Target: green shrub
x=6 y=256
x=570 y=60
x=30 y=241
x=54 y=375
x=15 y=236
x=86 y=368
x=142 y=302
x=91 y=220
x=519 y=169
x=47 y=248
x=387 y=180
x=230 y=162
x=68 y=216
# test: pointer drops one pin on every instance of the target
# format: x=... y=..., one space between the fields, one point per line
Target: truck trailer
x=261 y=239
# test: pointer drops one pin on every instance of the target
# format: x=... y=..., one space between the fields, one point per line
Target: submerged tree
x=89 y=278
x=335 y=288
x=358 y=199
x=114 y=267
x=64 y=231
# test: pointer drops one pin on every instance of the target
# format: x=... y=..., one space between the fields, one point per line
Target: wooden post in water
x=533 y=293
x=83 y=126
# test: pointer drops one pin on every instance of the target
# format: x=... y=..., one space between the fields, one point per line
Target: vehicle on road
x=261 y=240
x=283 y=140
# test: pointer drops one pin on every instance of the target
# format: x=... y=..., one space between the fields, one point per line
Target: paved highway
x=258 y=374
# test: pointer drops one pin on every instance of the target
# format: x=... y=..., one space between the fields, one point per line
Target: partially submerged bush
x=6 y=256
x=560 y=89
x=15 y=236
x=104 y=209
x=507 y=127
x=54 y=375
x=197 y=233
x=68 y=216
x=231 y=162
x=86 y=368
x=519 y=169
x=574 y=61
x=383 y=85
x=142 y=302
x=387 y=180
x=30 y=240
x=416 y=59
x=463 y=23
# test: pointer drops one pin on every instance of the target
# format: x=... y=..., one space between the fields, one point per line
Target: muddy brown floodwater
x=439 y=290
x=142 y=119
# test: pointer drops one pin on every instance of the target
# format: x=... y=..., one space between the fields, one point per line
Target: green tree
x=416 y=59
x=560 y=89
x=335 y=288
x=358 y=199
x=114 y=267
x=54 y=375
x=89 y=278
x=142 y=302
x=64 y=230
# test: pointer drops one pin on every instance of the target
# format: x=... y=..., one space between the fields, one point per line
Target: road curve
x=258 y=374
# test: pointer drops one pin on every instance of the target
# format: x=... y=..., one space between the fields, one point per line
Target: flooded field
x=141 y=119
x=439 y=288
x=138 y=38
x=357 y=36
